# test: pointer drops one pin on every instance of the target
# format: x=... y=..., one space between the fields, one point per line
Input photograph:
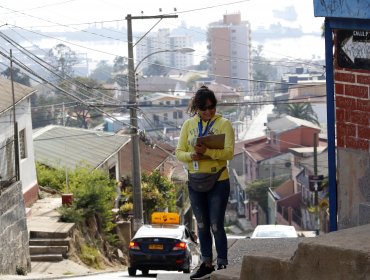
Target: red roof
x=260 y=149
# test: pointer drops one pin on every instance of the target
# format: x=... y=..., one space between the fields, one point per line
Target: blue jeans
x=209 y=210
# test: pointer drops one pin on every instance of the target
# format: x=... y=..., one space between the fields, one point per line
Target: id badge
x=196 y=165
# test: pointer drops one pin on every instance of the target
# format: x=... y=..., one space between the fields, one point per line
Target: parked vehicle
x=163 y=246
x=274 y=231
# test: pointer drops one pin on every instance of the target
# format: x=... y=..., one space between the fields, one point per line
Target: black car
x=163 y=247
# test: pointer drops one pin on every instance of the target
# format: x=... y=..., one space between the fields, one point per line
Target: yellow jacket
x=218 y=157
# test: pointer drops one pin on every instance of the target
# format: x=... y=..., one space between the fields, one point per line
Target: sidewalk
x=43 y=215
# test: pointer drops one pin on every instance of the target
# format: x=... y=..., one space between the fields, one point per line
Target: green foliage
x=102 y=72
x=302 y=111
x=258 y=189
x=18 y=76
x=52 y=178
x=93 y=193
x=91 y=256
x=191 y=81
x=158 y=193
x=156 y=69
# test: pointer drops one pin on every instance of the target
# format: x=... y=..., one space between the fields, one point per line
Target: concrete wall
x=13 y=231
x=352 y=94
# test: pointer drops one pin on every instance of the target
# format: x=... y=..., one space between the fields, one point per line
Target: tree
x=158 y=192
x=18 y=76
x=156 y=69
x=102 y=72
x=191 y=81
x=120 y=71
x=82 y=115
x=263 y=70
x=302 y=111
x=258 y=189
x=62 y=58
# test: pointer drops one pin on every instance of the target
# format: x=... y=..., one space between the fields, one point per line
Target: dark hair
x=200 y=98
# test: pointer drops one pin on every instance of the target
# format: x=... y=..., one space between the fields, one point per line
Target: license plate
x=156 y=246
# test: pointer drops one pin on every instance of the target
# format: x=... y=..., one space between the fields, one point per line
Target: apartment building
x=164 y=42
x=229 y=43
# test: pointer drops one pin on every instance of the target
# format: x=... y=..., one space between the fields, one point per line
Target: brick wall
x=352 y=93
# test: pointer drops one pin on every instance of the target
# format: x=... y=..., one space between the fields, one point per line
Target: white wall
x=23 y=117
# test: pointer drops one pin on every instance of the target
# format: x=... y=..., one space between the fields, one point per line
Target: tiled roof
x=288 y=123
x=6 y=98
x=259 y=149
x=59 y=146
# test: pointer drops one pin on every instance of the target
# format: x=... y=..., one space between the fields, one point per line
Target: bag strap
x=220 y=172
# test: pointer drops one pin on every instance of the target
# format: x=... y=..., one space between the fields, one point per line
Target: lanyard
x=206 y=130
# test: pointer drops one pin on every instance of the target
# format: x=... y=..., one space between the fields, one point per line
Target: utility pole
x=316 y=184
x=136 y=168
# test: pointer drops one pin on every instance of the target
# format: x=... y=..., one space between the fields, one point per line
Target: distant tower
x=229 y=44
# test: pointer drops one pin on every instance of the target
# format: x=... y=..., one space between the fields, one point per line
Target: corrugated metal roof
x=59 y=146
x=6 y=97
x=288 y=123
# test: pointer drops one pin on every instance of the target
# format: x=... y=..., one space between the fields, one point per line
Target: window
x=22 y=144
x=165 y=116
x=168 y=102
x=179 y=114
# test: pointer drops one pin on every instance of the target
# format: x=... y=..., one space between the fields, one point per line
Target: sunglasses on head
x=209 y=107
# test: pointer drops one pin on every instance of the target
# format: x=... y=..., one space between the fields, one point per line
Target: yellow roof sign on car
x=165 y=218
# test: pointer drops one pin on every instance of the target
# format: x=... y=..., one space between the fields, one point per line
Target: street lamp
x=136 y=168
x=180 y=50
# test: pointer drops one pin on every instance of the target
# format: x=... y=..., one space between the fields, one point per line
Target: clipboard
x=213 y=141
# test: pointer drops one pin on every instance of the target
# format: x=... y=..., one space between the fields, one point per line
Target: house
x=271 y=157
x=8 y=162
x=69 y=147
x=18 y=181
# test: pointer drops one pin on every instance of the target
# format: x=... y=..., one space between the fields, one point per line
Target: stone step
x=343 y=254
x=47 y=250
x=48 y=234
x=47 y=258
x=49 y=241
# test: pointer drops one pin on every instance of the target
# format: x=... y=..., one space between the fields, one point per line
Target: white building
x=161 y=42
x=27 y=167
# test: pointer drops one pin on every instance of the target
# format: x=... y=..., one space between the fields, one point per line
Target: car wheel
x=131 y=271
x=145 y=272
x=187 y=270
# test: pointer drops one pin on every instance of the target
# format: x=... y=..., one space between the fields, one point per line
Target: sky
x=68 y=15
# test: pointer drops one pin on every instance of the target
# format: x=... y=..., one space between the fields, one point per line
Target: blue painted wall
x=359 y=9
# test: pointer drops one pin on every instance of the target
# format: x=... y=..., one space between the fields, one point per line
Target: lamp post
x=179 y=50
x=136 y=168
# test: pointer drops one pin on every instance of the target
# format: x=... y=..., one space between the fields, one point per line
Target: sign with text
x=353 y=49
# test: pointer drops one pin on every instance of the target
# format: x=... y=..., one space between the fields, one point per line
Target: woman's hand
x=195 y=156
x=200 y=149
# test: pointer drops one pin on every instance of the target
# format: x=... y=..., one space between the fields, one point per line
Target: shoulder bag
x=204 y=182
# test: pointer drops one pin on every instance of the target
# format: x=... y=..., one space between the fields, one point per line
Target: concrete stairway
x=49 y=238
x=344 y=254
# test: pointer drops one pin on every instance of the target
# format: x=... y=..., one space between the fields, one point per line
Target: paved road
x=124 y=275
